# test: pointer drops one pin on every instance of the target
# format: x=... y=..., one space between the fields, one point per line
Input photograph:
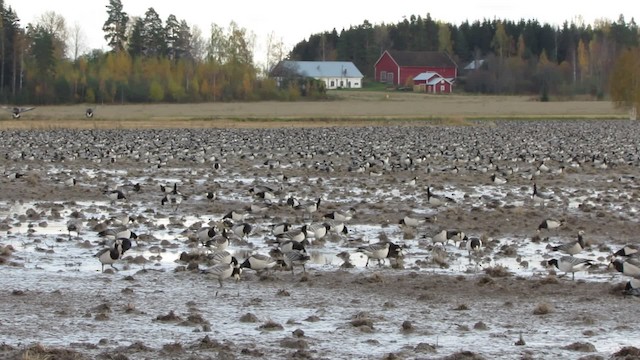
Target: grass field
x=346 y=108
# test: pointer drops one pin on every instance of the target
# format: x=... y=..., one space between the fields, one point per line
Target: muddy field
x=437 y=302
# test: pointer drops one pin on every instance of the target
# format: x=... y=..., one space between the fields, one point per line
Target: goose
x=498 y=180
x=243 y=230
x=292 y=245
x=438 y=200
x=629 y=267
x=570 y=264
x=316 y=230
x=115 y=195
x=291 y=259
x=280 y=228
x=17 y=111
x=224 y=271
x=74 y=225
x=220 y=257
x=550 y=224
x=414 y=222
x=259 y=262
x=205 y=234
x=632 y=287
x=294 y=234
x=174 y=197
x=540 y=197
x=210 y=195
x=381 y=251
x=445 y=236
x=337 y=227
x=310 y=207
x=236 y=216
x=293 y=202
x=108 y=256
x=628 y=250
x=340 y=215
x=474 y=244
x=571 y=248
x=218 y=242
x=113 y=234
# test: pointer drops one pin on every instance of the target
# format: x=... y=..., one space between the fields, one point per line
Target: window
x=442 y=87
x=383 y=76
x=333 y=84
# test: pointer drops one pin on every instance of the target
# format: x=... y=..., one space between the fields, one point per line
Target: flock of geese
x=298 y=189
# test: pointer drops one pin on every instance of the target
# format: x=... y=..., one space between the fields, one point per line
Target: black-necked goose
x=294 y=234
x=337 y=227
x=628 y=250
x=381 y=251
x=550 y=224
x=629 y=266
x=236 y=216
x=474 y=244
x=415 y=222
x=341 y=215
x=243 y=230
x=309 y=207
x=632 y=287
x=218 y=242
x=573 y=247
x=570 y=264
x=174 y=198
x=316 y=230
x=224 y=271
x=205 y=234
x=291 y=259
x=210 y=195
x=109 y=256
x=539 y=197
x=444 y=236
x=259 y=262
x=438 y=200
x=17 y=111
x=280 y=228
x=115 y=195
x=498 y=180
x=293 y=245
x=220 y=257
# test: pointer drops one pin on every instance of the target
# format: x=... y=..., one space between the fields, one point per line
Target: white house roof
x=474 y=65
x=426 y=75
x=323 y=69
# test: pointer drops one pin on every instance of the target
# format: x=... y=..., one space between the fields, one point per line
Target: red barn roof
x=422 y=58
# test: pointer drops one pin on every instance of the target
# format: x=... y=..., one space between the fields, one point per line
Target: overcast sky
x=294 y=20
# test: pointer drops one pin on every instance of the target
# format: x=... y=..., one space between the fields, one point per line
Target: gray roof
x=318 y=69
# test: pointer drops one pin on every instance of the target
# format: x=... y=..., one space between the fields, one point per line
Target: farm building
x=399 y=68
x=335 y=74
x=432 y=82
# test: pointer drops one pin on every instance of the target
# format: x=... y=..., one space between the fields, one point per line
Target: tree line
x=156 y=60
x=150 y=60
x=518 y=57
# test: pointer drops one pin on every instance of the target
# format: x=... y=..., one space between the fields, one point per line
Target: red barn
x=400 y=67
x=432 y=82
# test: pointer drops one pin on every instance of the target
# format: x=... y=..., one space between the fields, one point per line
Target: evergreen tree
x=116 y=26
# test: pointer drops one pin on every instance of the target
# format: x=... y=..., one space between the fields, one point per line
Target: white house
x=335 y=74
